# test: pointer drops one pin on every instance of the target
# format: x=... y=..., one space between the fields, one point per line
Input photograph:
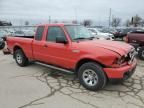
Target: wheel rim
x=90 y=77
x=19 y=58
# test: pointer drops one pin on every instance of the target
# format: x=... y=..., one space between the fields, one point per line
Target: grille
x=131 y=56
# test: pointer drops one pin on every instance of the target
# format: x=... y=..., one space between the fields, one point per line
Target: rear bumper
x=121 y=73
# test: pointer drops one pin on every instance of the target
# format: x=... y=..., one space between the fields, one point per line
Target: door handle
x=45 y=45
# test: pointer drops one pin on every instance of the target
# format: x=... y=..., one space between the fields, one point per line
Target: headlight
x=119 y=61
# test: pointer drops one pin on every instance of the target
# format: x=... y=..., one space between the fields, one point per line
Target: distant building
x=4 y=23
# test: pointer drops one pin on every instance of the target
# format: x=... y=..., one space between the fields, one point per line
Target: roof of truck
x=58 y=24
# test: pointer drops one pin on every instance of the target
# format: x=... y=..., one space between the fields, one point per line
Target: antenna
x=49 y=19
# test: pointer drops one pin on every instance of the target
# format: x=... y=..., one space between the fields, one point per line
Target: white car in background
x=100 y=35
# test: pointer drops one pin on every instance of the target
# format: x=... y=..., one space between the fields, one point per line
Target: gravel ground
x=36 y=86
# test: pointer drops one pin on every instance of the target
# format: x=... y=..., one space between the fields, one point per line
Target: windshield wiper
x=81 y=38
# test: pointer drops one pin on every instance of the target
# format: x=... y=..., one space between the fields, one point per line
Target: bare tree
x=116 y=22
x=87 y=22
x=55 y=21
x=5 y=23
x=127 y=23
x=1 y=24
x=136 y=20
x=10 y=24
x=142 y=23
x=74 y=22
x=26 y=23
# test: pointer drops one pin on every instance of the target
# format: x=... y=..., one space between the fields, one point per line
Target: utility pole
x=75 y=13
x=49 y=19
x=110 y=17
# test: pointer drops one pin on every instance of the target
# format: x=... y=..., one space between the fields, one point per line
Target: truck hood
x=117 y=47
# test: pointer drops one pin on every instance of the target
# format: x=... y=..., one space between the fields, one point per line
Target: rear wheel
x=20 y=58
x=91 y=76
x=141 y=53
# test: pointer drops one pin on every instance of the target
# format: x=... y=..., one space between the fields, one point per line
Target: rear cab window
x=39 y=33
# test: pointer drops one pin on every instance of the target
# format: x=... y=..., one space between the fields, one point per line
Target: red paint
x=119 y=72
x=68 y=55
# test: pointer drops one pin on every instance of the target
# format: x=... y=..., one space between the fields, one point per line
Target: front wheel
x=20 y=58
x=91 y=76
x=141 y=53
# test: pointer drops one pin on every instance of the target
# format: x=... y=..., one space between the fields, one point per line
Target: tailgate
x=19 y=42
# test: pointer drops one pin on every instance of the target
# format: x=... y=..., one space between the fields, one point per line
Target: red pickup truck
x=71 y=47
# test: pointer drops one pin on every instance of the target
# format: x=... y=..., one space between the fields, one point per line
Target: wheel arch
x=85 y=60
x=16 y=47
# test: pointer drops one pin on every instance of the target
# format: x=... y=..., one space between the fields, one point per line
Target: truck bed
x=24 y=41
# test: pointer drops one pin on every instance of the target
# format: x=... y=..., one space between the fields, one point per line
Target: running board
x=54 y=67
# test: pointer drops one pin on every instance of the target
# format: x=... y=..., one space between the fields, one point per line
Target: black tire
x=101 y=77
x=141 y=53
x=24 y=60
x=2 y=45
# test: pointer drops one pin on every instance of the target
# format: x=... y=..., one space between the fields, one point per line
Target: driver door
x=57 y=53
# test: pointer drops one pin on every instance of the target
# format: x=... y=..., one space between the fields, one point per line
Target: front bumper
x=121 y=73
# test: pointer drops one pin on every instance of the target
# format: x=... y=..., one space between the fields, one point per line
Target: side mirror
x=61 y=39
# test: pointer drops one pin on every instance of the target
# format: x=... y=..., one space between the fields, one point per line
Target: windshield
x=78 y=32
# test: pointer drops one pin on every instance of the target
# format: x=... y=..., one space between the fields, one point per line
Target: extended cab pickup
x=71 y=47
x=136 y=39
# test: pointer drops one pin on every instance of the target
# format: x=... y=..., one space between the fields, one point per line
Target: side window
x=54 y=32
x=39 y=33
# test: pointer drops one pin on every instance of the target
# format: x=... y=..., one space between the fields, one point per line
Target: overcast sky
x=69 y=9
